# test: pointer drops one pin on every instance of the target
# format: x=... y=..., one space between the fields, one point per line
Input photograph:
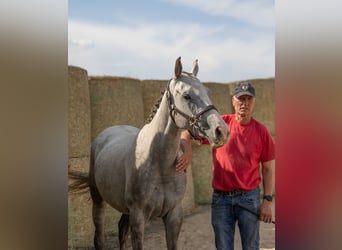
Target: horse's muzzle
x=217 y=133
x=220 y=136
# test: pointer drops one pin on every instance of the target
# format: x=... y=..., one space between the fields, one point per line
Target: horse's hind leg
x=98 y=207
x=98 y=218
x=123 y=230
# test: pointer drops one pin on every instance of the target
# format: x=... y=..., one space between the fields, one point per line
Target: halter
x=194 y=121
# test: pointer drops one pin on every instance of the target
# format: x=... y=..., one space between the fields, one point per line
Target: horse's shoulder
x=115 y=135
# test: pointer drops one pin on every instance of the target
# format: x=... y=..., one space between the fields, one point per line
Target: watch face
x=268 y=197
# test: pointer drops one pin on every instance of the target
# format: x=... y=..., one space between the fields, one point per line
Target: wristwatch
x=268 y=197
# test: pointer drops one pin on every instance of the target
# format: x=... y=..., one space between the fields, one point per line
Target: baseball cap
x=244 y=88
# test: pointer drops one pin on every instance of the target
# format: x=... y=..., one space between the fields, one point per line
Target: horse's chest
x=163 y=193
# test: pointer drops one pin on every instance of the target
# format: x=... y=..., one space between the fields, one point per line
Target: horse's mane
x=154 y=108
x=157 y=103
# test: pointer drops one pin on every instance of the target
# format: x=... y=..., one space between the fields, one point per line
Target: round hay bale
x=202 y=173
x=220 y=95
x=112 y=217
x=79 y=112
x=80 y=224
x=115 y=101
x=152 y=91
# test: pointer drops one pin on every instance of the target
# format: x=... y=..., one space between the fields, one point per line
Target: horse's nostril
x=218 y=132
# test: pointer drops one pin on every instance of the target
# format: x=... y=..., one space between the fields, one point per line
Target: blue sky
x=232 y=39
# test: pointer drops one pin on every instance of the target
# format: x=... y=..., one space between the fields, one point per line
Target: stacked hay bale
x=108 y=101
x=152 y=92
x=114 y=101
x=202 y=161
x=80 y=226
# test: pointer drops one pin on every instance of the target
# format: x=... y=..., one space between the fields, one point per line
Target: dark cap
x=244 y=88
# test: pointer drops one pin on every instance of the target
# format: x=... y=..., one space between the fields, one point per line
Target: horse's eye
x=187 y=97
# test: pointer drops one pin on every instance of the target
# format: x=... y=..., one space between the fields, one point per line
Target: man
x=236 y=174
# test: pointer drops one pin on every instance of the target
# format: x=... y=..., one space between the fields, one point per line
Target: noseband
x=193 y=119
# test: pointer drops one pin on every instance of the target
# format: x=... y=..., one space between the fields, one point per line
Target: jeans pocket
x=216 y=197
x=251 y=200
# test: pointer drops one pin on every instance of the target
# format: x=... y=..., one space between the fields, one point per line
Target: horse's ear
x=178 y=68
x=194 y=70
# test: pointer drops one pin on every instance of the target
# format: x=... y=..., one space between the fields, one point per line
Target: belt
x=231 y=192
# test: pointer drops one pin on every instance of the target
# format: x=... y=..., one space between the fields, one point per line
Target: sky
x=233 y=40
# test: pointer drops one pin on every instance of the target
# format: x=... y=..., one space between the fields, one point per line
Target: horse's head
x=191 y=107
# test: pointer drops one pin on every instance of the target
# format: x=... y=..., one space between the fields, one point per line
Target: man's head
x=243 y=101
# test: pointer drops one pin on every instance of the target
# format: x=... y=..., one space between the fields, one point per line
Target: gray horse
x=133 y=170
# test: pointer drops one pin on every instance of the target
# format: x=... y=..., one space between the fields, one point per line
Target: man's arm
x=185 y=159
x=266 y=206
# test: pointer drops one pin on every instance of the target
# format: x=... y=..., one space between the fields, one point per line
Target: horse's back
x=113 y=153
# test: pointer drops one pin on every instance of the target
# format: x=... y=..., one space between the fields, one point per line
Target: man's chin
x=243 y=114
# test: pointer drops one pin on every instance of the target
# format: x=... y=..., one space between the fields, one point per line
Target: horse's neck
x=160 y=138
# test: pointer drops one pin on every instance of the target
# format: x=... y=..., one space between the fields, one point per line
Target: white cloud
x=149 y=50
x=85 y=43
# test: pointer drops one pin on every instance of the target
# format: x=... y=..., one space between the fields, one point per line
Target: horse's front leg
x=173 y=222
x=137 y=224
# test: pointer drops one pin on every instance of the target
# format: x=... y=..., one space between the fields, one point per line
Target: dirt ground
x=197 y=234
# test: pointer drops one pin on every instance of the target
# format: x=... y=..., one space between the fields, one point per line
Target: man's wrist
x=268 y=198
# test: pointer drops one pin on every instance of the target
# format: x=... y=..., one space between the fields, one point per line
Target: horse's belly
x=113 y=154
x=111 y=188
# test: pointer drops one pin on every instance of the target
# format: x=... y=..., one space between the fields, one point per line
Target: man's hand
x=266 y=211
x=184 y=160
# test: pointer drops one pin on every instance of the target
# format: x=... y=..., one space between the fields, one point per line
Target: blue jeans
x=225 y=213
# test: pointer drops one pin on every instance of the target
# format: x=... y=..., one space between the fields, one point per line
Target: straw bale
x=78 y=113
x=152 y=91
x=115 y=101
x=220 y=95
x=80 y=224
x=264 y=110
x=112 y=217
x=202 y=173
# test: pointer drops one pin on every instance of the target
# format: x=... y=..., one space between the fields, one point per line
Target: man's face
x=243 y=105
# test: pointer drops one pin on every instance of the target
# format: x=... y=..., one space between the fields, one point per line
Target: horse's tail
x=81 y=182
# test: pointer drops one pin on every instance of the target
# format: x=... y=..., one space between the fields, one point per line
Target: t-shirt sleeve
x=268 y=150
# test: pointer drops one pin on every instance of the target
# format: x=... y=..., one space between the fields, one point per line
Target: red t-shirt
x=236 y=165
